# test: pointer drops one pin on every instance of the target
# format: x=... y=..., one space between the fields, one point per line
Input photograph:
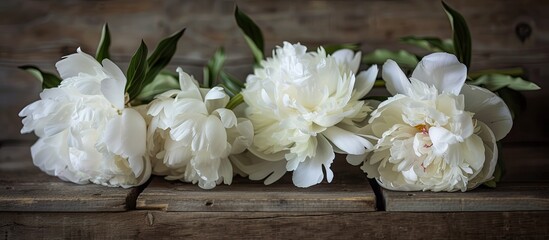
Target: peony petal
x=309 y=172
x=114 y=89
x=115 y=72
x=258 y=169
x=488 y=108
x=490 y=157
x=365 y=81
x=76 y=63
x=443 y=71
x=441 y=138
x=189 y=86
x=226 y=171
x=349 y=58
x=227 y=117
x=112 y=135
x=245 y=134
x=216 y=99
x=395 y=80
x=347 y=141
x=133 y=138
x=114 y=92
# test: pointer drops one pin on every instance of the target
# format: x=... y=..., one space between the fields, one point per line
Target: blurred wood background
x=41 y=32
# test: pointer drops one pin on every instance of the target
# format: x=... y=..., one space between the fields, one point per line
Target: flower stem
x=235 y=101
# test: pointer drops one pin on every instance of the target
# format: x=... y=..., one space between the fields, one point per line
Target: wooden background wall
x=40 y=32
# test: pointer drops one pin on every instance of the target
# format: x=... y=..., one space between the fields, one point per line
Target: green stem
x=379 y=83
x=235 y=101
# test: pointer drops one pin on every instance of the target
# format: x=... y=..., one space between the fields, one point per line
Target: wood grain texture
x=348 y=192
x=40 y=32
x=23 y=187
x=506 y=197
x=257 y=225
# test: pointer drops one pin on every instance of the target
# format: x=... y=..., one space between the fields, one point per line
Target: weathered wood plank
x=23 y=187
x=506 y=197
x=281 y=225
x=526 y=163
x=349 y=192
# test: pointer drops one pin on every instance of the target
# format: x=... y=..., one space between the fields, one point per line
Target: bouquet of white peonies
x=438 y=130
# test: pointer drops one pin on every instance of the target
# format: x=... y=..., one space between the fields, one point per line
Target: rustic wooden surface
x=282 y=225
x=348 y=192
x=35 y=205
x=23 y=187
x=506 y=197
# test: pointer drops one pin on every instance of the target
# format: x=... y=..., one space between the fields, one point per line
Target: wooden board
x=506 y=197
x=279 y=225
x=23 y=187
x=349 y=192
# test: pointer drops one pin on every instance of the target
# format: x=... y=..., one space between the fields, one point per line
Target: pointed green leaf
x=161 y=56
x=252 y=34
x=136 y=71
x=494 y=82
x=212 y=70
x=233 y=85
x=163 y=82
x=514 y=72
x=48 y=80
x=431 y=43
x=330 y=49
x=462 y=36
x=379 y=56
x=104 y=44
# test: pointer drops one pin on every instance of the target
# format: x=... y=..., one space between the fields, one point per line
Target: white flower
x=436 y=133
x=304 y=106
x=192 y=134
x=85 y=133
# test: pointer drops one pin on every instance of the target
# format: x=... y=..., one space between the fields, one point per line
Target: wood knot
x=523 y=31
x=150 y=219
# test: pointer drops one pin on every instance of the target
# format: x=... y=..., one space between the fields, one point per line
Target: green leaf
x=231 y=84
x=330 y=49
x=403 y=58
x=514 y=72
x=161 y=56
x=212 y=70
x=494 y=82
x=163 y=82
x=513 y=99
x=462 y=36
x=104 y=44
x=137 y=71
x=47 y=79
x=431 y=43
x=252 y=34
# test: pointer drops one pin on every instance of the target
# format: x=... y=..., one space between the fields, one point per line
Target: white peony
x=85 y=133
x=191 y=134
x=436 y=133
x=304 y=106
